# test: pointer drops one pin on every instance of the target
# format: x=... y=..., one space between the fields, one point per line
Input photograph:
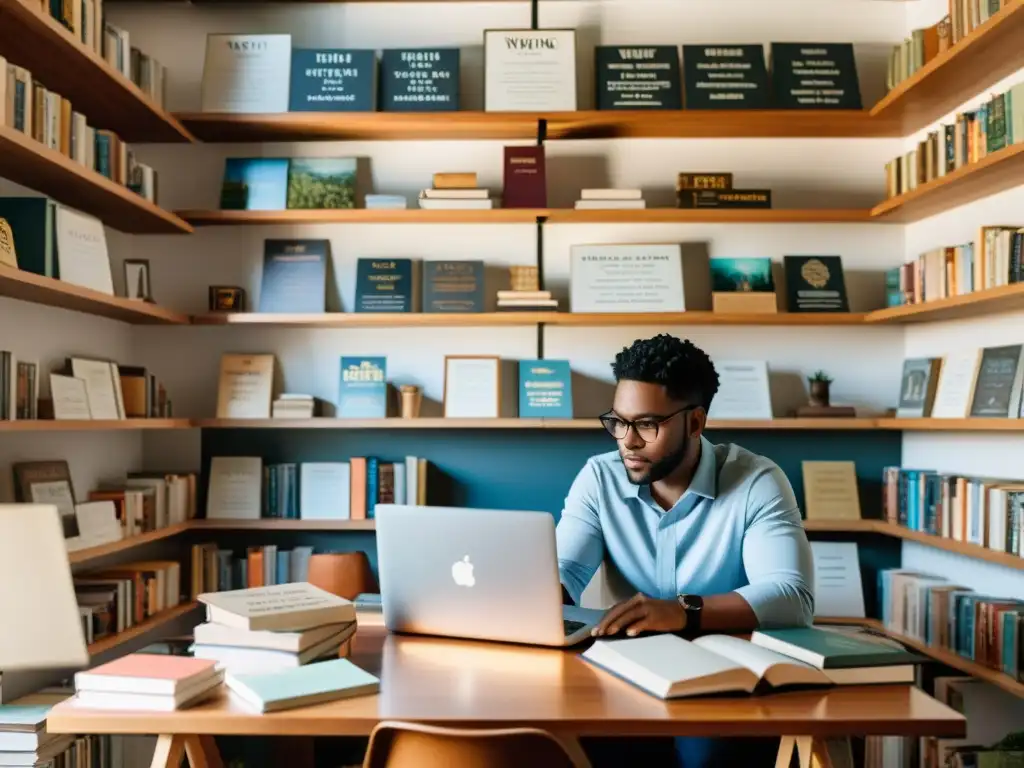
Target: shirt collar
x=705 y=478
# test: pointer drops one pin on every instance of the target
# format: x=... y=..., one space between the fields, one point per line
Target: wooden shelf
x=25 y=161
x=981 y=59
x=93 y=425
x=993 y=173
x=80 y=556
x=698 y=317
x=952 y=425
x=30 y=38
x=362 y=216
x=320 y=126
x=966 y=549
x=283 y=525
x=713 y=216
x=990 y=301
x=841 y=526
x=27 y=286
x=392 y=423
x=151 y=624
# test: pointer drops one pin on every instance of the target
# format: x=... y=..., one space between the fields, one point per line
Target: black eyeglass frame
x=658 y=421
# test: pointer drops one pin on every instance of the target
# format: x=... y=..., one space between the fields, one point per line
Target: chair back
x=410 y=745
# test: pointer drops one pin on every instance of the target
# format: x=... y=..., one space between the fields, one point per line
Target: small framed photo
x=136 y=280
x=227 y=298
x=472 y=386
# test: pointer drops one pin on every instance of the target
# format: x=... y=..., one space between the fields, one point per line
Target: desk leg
x=812 y=752
x=202 y=752
x=169 y=751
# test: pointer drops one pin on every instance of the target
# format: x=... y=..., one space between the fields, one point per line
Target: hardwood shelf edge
x=92 y=425
x=962 y=548
x=974 y=304
x=151 y=624
x=83 y=556
x=276 y=524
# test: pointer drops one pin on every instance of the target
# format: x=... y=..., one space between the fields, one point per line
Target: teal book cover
x=835 y=649
x=323 y=681
x=32 y=221
x=24 y=717
x=255 y=184
x=743 y=275
x=363 y=391
x=545 y=389
x=385 y=285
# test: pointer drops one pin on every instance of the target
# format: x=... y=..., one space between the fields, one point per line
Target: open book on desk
x=669 y=667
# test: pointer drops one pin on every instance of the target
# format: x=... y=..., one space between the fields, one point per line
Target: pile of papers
x=147 y=681
x=268 y=629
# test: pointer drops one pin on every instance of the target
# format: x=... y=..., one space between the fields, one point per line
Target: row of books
x=933 y=610
x=218 y=570
x=115 y=599
x=994 y=125
x=334 y=490
x=150 y=501
x=994 y=260
x=982 y=511
x=50 y=119
x=19 y=388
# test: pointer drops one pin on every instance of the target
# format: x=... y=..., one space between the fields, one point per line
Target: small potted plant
x=819 y=383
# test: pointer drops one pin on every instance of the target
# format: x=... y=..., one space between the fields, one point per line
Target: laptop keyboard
x=572 y=627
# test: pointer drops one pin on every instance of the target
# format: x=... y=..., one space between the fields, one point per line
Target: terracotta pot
x=345 y=574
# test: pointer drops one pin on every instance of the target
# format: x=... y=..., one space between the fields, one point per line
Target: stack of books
x=293 y=407
x=604 y=199
x=386 y=202
x=23 y=737
x=268 y=629
x=526 y=295
x=456 y=191
x=148 y=681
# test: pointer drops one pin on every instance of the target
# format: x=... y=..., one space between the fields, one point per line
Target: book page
x=758 y=660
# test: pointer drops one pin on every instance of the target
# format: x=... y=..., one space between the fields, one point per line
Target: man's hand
x=642 y=614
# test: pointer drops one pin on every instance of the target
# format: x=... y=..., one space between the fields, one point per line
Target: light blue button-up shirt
x=737 y=528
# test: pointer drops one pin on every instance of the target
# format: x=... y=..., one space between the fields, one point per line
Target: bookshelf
x=464 y=124
x=27 y=286
x=1006 y=298
x=389 y=423
x=90 y=554
x=32 y=39
x=151 y=626
x=993 y=173
x=92 y=425
x=283 y=525
x=840 y=526
x=713 y=216
x=979 y=60
x=26 y=161
x=953 y=425
x=975 y=551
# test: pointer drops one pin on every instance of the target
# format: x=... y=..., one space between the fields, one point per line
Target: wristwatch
x=693 y=606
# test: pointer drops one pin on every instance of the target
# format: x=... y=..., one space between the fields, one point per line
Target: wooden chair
x=409 y=745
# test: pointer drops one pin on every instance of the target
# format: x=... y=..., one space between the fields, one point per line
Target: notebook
x=146 y=673
x=311 y=684
x=834 y=649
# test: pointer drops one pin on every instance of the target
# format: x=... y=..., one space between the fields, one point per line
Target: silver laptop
x=474 y=573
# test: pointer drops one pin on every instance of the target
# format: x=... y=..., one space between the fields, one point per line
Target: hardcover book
x=303 y=686
x=545 y=389
x=642 y=77
x=725 y=77
x=246 y=73
x=815 y=284
x=725 y=198
x=255 y=184
x=917 y=387
x=828 y=649
x=294 y=276
x=322 y=183
x=363 y=390
x=419 y=80
x=814 y=76
x=525 y=178
x=530 y=70
x=278 y=608
x=384 y=285
x=333 y=80
x=453 y=286
x=997 y=392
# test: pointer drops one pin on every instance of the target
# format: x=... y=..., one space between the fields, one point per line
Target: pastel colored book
x=255 y=184
x=305 y=686
x=209 y=633
x=830 y=649
x=145 y=673
x=363 y=389
x=280 y=608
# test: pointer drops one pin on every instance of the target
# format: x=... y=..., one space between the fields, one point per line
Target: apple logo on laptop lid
x=462 y=573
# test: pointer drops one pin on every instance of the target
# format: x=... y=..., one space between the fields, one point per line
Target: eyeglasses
x=646 y=428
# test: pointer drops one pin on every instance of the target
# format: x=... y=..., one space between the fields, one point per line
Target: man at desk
x=708 y=536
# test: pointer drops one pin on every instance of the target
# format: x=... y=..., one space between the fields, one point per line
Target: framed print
x=136 y=280
x=472 y=386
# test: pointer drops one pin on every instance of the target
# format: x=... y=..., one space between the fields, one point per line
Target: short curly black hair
x=684 y=369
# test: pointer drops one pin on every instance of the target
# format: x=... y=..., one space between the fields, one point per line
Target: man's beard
x=662 y=468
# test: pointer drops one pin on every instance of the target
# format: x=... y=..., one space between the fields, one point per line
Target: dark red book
x=525 y=180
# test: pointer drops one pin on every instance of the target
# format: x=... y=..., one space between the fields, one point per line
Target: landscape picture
x=742 y=275
x=319 y=183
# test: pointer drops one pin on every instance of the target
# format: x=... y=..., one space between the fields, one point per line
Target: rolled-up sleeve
x=578 y=534
x=776 y=555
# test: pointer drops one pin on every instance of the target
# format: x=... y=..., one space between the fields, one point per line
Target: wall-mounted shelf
x=82 y=556
x=981 y=59
x=973 y=551
x=283 y=525
x=151 y=625
x=953 y=425
x=841 y=526
x=32 y=39
x=993 y=173
x=92 y=425
x=1006 y=298
x=698 y=317
x=713 y=216
x=376 y=126
x=25 y=161
x=27 y=286
x=391 y=423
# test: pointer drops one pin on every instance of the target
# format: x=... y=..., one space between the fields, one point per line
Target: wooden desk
x=467 y=684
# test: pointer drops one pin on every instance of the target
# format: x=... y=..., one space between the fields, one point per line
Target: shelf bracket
x=540 y=341
x=534 y=14
x=542 y=132
x=540 y=251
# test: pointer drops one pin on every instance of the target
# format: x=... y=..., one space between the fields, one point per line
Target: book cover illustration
x=294 y=276
x=363 y=391
x=743 y=275
x=815 y=284
x=322 y=183
x=254 y=184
